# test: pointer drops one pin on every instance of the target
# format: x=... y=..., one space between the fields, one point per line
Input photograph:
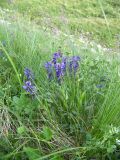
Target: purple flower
x=64 y=64
x=29 y=87
x=58 y=70
x=100 y=86
x=60 y=64
x=76 y=58
x=56 y=56
x=48 y=67
x=63 y=67
x=74 y=64
x=28 y=73
x=70 y=66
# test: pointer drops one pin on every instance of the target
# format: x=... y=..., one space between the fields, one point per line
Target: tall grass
x=78 y=119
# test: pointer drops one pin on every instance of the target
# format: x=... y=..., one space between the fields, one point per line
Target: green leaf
x=111 y=149
x=32 y=153
x=88 y=136
x=47 y=133
x=1 y=92
x=21 y=130
x=56 y=158
x=15 y=100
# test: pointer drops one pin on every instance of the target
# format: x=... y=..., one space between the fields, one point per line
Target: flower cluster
x=60 y=64
x=74 y=64
x=29 y=85
x=28 y=73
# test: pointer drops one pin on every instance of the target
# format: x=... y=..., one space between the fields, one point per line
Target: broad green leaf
x=47 y=133
x=56 y=158
x=111 y=149
x=21 y=130
x=31 y=153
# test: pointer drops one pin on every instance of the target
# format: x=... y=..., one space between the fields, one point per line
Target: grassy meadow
x=59 y=80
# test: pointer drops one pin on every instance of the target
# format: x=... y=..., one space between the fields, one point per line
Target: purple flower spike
x=28 y=73
x=63 y=67
x=56 y=56
x=100 y=86
x=76 y=58
x=74 y=64
x=60 y=64
x=48 y=67
x=58 y=69
x=64 y=59
x=29 y=87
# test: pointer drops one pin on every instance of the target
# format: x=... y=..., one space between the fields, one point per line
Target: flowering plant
x=29 y=85
x=60 y=65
